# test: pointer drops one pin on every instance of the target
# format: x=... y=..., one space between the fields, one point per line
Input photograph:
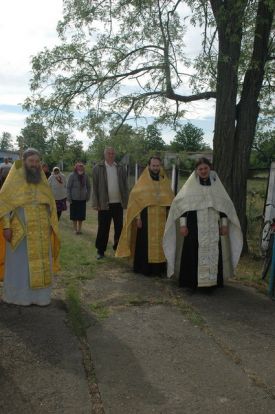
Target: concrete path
x=154 y=349
x=163 y=351
x=41 y=368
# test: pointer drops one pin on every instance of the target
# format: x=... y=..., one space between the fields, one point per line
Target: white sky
x=26 y=27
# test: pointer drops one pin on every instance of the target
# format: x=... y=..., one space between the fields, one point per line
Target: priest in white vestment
x=202 y=239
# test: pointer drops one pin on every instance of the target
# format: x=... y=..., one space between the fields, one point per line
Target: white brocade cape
x=194 y=196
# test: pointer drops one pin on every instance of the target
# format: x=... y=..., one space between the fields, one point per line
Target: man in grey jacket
x=109 y=198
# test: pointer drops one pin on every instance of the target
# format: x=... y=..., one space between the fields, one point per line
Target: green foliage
x=106 y=45
x=153 y=139
x=6 y=142
x=34 y=135
x=263 y=148
x=59 y=149
x=188 y=138
x=137 y=143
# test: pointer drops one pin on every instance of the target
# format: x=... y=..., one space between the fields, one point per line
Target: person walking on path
x=109 y=198
x=29 y=237
x=202 y=239
x=57 y=182
x=4 y=170
x=78 y=193
x=143 y=229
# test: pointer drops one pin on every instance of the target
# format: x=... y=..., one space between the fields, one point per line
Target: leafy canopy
x=115 y=59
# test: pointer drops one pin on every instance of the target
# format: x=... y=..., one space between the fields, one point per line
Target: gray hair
x=29 y=152
x=107 y=149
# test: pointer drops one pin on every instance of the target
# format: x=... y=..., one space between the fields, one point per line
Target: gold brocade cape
x=15 y=193
x=154 y=195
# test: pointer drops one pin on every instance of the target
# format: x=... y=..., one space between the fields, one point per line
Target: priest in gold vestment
x=29 y=240
x=141 y=237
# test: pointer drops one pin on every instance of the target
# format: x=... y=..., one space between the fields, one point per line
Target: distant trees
x=188 y=138
x=153 y=139
x=137 y=143
x=6 y=143
x=263 y=149
x=58 y=148
x=34 y=135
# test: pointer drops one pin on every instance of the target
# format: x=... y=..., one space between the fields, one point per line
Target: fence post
x=174 y=179
x=136 y=172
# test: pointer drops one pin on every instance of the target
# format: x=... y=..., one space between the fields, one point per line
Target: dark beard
x=154 y=176
x=33 y=175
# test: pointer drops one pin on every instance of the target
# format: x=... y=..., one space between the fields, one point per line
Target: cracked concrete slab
x=151 y=359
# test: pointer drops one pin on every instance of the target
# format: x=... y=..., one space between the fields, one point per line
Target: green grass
x=77 y=257
x=189 y=312
x=75 y=314
x=100 y=310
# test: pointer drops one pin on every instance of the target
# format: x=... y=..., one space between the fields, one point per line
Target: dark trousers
x=105 y=217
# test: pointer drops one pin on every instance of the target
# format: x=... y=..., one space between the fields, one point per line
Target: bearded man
x=29 y=240
x=141 y=237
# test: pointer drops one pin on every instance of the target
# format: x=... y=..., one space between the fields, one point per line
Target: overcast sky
x=26 y=27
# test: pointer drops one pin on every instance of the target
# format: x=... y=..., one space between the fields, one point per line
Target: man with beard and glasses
x=29 y=240
x=147 y=210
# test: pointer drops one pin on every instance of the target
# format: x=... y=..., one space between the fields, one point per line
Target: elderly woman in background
x=57 y=182
x=202 y=238
x=78 y=193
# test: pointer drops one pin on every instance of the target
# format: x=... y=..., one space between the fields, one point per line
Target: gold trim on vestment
x=156 y=224
x=38 y=242
x=18 y=230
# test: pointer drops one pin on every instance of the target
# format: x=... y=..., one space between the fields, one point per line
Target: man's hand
x=139 y=223
x=7 y=233
x=184 y=231
x=223 y=230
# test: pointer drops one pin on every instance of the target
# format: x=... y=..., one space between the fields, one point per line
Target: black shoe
x=100 y=256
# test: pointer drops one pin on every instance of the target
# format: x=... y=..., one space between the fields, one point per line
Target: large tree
x=119 y=57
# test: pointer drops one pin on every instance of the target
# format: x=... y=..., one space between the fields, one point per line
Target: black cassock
x=188 y=275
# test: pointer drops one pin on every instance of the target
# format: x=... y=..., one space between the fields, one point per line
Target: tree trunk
x=229 y=23
x=248 y=109
x=233 y=138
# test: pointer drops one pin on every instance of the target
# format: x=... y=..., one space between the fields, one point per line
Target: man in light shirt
x=110 y=197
